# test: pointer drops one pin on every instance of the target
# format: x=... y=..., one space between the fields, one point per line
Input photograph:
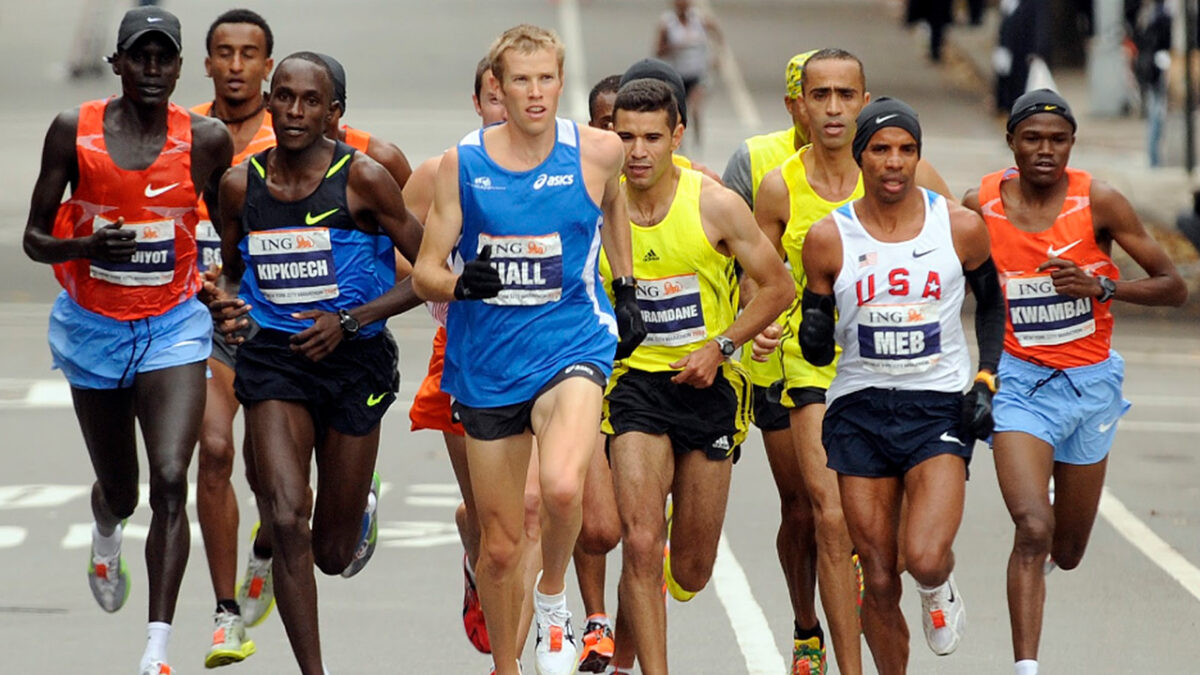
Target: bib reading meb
x=544 y=231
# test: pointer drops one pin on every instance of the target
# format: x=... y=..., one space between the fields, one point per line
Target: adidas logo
x=650 y=256
x=721 y=443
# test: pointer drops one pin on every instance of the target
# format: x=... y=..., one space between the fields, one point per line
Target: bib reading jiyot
x=899 y=339
x=152 y=264
x=293 y=266
x=672 y=310
x=530 y=268
x=1041 y=315
x=208 y=246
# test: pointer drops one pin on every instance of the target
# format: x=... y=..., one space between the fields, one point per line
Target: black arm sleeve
x=989 y=313
x=816 y=328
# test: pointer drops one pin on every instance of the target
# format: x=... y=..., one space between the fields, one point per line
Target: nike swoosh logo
x=153 y=19
x=1105 y=427
x=881 y=120
x=923 y=253
x=1054 y=253
x=310 y=219
x=373 y=399
x=154 y=192
x=950 y=439
x=185 y=343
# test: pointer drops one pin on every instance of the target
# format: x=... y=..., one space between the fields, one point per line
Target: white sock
x=546 y=603
x=1026 y=667
x=927 y=590
x=106 y=547
x=157 y=636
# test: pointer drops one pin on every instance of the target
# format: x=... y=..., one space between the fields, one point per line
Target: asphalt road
x=1134 y=604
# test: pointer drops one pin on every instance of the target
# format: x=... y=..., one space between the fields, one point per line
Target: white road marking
x=434 y=488
x=11 y=536
x=1145 y=540
x=575 y=65
x=39 y=496
x=79 y=535
x=750 y=626
x=417 y=534
x=735 y=83
x=419 y=500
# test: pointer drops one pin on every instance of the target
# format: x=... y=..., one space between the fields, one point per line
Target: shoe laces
x=225 y=620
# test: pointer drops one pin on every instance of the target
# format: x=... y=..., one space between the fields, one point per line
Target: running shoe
x=229 y=643
x=858 y=577
x=370 y=533
x=944 y=617
x=556 y=652
x=108 y=578
x=808 y=657
x=256 y=593
x=157 y=668
x=473 y=620
x=597 y=644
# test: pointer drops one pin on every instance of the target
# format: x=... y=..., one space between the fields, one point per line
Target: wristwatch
x=726 y=345
x=624 y=282
x=1108 y=288
x=349 y=324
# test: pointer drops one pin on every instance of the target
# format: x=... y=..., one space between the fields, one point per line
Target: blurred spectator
x=1152 y=37
x=1024 y=35
x=937 y=14
x=683 y=41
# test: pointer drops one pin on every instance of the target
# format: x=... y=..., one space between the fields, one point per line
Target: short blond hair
x=525 y=39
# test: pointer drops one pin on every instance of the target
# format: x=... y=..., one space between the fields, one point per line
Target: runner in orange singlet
x=1052 y=230
x=127 y=331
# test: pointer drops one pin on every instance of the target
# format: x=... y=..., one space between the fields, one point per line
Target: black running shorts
x=768 y=413
x=713 y=420
x=348 y=391
x=491 y=424
x=882 y=433
x=226 y=353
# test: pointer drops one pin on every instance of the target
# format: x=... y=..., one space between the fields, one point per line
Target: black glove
x=629 y=318
x=479 y=279
x=976 y=418
x=816 y=328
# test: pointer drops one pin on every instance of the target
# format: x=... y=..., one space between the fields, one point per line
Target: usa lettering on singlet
x=672 y=310
x=530 y=267
x=294 y=266
x=898 y=307
x=153 y=261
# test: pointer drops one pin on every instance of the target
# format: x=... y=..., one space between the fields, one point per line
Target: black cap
x=882 y=113
x=339 y=78
x=1036 y=102
x=665 y=72
x=140 y=21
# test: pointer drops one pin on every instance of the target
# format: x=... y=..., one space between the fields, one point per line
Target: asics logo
x=374 y=399
x=154 y=192
x=881 y=120
x=483 y=181
x=946 y=437
x=1105 y=427
x=553 y=181
x=1055 y=252
x=310 y=219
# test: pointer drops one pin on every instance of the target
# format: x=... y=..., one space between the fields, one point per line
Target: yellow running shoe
x=229 y=643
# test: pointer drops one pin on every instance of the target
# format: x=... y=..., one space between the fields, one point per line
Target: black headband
x=880 y=114
x=1036 y=102
x=339 y=78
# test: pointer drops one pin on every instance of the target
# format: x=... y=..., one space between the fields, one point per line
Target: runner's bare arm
x=971 y=200
x=418 y=191
x=432 y=277
x=1116 y=219
x=227 y=308
x=726 y=216
x=607 y=152
x=212 y=153
x=772 y=209
x=60 y=168
x=822 y=256
x=392 y=158
x=974 y=248
x=970 y=235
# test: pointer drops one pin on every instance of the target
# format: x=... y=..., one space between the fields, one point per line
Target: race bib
x=671 y=310
x=152 y=264
x=899 y=339
x=530 y=268
x=293 y=266
x=208 y=246
x=1041 y=315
